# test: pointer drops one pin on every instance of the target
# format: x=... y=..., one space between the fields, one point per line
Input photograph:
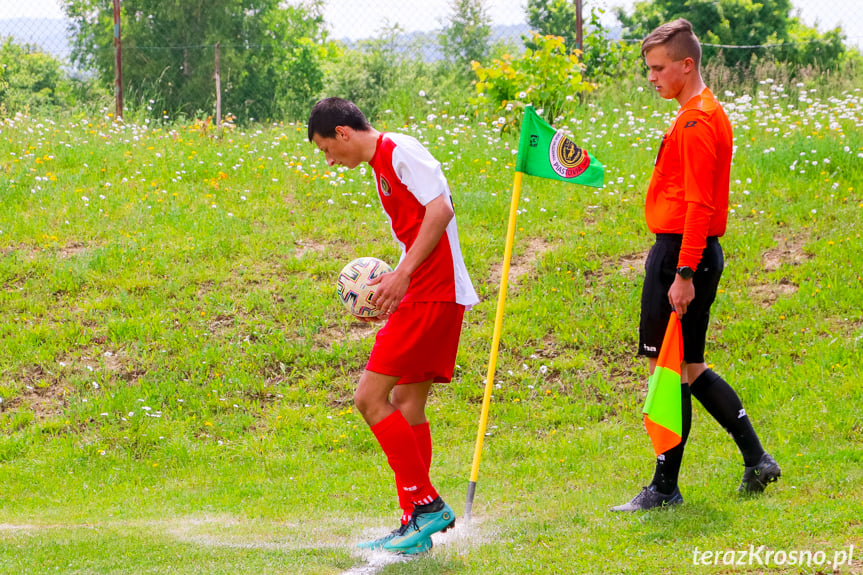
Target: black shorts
x=660 y=269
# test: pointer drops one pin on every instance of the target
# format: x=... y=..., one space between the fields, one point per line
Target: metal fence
x=43 y=23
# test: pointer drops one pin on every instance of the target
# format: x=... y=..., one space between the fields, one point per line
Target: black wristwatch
x=685 y=272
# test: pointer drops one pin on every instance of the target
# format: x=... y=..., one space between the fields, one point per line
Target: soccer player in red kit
x=423 y=302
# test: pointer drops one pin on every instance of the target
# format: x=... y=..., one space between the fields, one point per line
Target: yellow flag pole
x=495 y=343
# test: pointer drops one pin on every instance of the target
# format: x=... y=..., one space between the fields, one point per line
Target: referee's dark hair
x=679 y=40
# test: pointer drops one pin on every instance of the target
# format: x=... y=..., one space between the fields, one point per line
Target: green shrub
x=603 y=57
x=547 y=76
x=33 y=81
x=385 y=83
x=363 y=75
x=29 y=78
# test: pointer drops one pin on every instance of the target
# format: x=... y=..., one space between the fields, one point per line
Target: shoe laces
x=411 y=524
x=645 y=493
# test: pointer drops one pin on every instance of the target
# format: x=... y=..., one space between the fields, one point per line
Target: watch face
x=685 y=272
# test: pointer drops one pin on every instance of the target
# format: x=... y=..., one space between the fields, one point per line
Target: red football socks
x=400 y=445
x=422 y=433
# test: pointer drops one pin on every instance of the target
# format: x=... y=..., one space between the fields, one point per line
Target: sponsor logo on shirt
x=690 y=123
x=567 y=159
x=385 y=187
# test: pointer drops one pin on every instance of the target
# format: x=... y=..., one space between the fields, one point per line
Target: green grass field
x=176 y=375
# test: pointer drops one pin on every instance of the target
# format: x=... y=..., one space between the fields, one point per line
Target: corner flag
x=546 y=153
x=663 y=408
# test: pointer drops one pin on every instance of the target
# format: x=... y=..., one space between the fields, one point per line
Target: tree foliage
x=270 y=53
x=388 y=79
x=465 y=37
x=366 y=73
x=553 y=18
x=741 y=23
x=29 y=78
x=32 y=80
x=603 y=56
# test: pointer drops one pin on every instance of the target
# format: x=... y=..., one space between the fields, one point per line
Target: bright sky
x=362 y=18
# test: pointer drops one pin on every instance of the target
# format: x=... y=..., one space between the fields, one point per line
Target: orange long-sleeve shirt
x=688 y=193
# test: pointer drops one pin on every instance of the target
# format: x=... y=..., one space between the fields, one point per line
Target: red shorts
x=419 y=342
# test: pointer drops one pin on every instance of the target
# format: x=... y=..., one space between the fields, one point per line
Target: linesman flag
x=663 y=408
x=546 y=153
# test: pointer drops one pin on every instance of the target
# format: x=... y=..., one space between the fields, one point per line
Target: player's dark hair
x=679 y=40
x=330 y=113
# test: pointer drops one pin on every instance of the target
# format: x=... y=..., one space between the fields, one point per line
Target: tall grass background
x=176 y=375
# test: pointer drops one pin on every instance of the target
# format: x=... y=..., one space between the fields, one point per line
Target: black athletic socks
x=668 y=463
x=721 y=401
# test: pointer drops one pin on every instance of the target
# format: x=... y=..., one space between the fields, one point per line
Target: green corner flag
x=547 y=153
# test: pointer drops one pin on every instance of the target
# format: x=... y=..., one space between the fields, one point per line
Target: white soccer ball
x=352 y=288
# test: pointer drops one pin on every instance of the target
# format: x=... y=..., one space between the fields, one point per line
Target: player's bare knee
x=402 y=402
x=362 y=401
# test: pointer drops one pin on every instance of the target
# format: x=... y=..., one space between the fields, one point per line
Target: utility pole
x=218 y=76
x=118 y=62
x=579 y=25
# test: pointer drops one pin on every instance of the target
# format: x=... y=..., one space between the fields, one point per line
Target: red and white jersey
x=408 y=177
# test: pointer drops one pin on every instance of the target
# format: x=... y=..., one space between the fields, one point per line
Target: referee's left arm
x=699 y=159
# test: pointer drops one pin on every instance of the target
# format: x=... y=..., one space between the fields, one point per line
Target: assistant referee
x=687 y=209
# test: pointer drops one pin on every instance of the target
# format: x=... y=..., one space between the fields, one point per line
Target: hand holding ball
x=352 y=286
